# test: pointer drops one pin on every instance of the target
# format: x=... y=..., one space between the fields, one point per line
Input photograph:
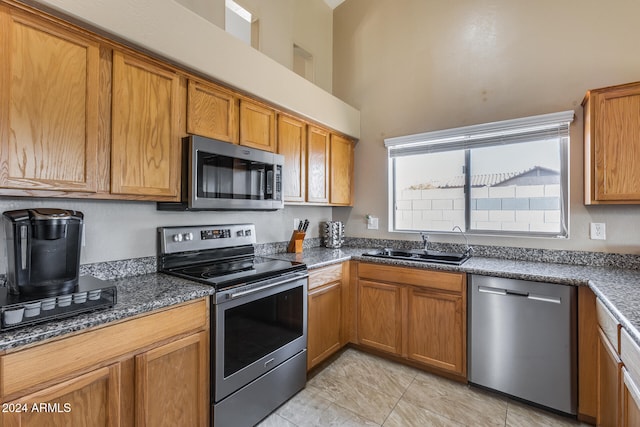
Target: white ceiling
x=333 y=3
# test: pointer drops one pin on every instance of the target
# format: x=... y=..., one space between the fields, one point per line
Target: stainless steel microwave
x=219 y=175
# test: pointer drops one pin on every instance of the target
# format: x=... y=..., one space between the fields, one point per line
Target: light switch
x=372 y=223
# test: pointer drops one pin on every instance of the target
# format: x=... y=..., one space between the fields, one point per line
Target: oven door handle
x=260 y=288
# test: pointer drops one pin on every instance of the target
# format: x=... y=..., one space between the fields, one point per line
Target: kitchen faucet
x=425 y=240
x=468 y=249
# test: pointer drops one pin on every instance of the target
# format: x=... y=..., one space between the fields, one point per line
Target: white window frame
x=512 y=131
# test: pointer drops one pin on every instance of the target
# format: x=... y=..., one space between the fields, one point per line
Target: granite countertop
x=135 y=295
x=618 y=289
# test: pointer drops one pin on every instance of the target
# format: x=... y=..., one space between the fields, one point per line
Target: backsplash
x=593 y=259
x=137 y=266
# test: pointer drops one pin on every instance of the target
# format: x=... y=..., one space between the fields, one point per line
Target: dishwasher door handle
x=494 y=291
x=505 y=292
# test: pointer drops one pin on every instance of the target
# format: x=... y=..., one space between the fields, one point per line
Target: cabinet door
x=49 y=89
x=380 y=316
x=436 y=329
x=212 y=112
x=609 y=367
x=324 y=324
x=613 y=130
x=630 y=397
x=145 y=151
x=292 y=145
x=92 y=399
x=257 y=126
x=341 y=165
x=318 y=143
x=172 y=384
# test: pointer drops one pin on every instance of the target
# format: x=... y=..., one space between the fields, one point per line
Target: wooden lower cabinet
x=327 y=318
x=380 y=316
x=92 y=399
x=417 y=314
x=630 y=399
x=173 y=372
x=435 y=329
x=149 y=371
x=609 y=380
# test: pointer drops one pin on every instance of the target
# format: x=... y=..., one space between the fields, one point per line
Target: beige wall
x=419 y=65
x=181 y=35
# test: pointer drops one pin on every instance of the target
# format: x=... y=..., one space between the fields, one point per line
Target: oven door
x=255 y=330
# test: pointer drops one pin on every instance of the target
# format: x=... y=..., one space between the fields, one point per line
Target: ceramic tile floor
x=359 y=389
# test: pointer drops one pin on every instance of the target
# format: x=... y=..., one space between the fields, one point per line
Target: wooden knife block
x=295 y=244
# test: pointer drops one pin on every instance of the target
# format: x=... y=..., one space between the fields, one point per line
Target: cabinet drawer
x=59 y=359
x=609 y=325
x=630 y=355
x=324 y=275
x=441 y=280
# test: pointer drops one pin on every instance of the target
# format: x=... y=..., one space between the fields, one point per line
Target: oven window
x=222 y=177
x=260 y=327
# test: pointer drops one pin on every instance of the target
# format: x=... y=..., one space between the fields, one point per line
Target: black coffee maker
x=43 y=251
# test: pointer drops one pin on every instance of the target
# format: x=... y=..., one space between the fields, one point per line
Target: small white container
x=32 y=309
x=48 y=304
x=64 y=301
x=80 y=298
x=95 y=294
x=12 y=317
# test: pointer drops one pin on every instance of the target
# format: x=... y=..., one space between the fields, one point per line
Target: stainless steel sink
x=454 y=258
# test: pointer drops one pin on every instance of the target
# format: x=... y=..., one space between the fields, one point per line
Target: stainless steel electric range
x=259 y=319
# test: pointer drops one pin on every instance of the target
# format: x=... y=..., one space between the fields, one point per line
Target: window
x=241 y=23
x=302 y=63
x=507 y=178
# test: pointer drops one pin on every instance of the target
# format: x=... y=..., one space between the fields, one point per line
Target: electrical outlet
x=296 y=221
x=598 y=231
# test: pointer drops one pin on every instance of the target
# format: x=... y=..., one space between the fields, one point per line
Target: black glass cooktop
x=229 y=273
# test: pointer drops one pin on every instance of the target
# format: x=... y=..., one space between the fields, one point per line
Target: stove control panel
x=219 y=233
x=202 y=237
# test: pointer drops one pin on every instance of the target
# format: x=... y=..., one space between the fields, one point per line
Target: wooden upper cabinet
x=145 y=150
x=612 y=145
x=212 y=112
x=292 y=145
x=318 y=141
x=257 y=125
x=49 y=90
x=341 y=166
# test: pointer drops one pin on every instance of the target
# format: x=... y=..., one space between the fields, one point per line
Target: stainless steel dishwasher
x=522 y=340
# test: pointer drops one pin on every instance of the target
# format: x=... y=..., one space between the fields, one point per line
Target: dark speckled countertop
x=135 y=295
x=619 y=289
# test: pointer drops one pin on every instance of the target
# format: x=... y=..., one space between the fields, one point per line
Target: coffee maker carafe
x=43 y=251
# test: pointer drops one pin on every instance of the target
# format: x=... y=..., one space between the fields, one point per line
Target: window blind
x=527 y=129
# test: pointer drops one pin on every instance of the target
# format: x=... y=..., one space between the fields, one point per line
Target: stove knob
x=240 y=233
x=247 y=232
x=177 y=237
x=188 y=236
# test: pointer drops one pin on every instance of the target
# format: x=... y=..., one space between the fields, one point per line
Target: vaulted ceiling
x=333 y=3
